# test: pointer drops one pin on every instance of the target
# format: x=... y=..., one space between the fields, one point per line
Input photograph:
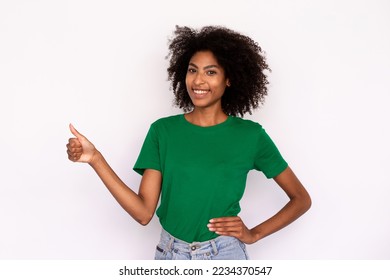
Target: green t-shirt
x=204 y=170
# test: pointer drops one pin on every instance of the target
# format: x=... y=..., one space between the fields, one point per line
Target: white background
x=101 y=65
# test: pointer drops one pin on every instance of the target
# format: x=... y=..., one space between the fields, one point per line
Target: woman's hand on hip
x=232 y=226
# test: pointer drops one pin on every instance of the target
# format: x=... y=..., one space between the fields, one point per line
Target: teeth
x=198 y=91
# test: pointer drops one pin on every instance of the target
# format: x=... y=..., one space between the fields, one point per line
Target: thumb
x=75 y=132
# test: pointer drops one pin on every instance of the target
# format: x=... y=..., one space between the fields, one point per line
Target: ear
x=227 y=82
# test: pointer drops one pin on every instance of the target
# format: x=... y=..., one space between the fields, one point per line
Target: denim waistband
x=220 y=248
x=173 y=243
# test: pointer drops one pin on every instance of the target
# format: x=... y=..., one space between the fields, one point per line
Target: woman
x=198 y=161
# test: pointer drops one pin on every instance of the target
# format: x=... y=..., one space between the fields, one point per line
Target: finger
x=74 y=154
x=73 y=157
x=233 y=233
x=75 y=132
x=236 y=231
x=228 y=233
x=73 y=143
x=228 y=230
x=74 y=149
x=224 y=219
x=221 y=228
x=225 y=224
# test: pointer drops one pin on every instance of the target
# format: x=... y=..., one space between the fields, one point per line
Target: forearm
x=295 y=208
x=130 y=201
x=299 y=203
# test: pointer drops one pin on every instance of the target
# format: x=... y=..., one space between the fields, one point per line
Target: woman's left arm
x=299 y=203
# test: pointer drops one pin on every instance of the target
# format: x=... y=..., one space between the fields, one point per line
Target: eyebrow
x=206 y=67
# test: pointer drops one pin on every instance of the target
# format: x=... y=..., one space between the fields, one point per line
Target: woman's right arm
x=140 y=206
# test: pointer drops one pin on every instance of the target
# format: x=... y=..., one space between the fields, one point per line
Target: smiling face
x=205 y=80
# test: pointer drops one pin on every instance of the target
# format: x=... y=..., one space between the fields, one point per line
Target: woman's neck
x=206 y=117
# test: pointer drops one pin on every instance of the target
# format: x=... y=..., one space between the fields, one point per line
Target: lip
x=200 y=93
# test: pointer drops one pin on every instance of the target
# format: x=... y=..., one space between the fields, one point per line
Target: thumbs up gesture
x=80 y=149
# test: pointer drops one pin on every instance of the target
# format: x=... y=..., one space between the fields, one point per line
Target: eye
x=191 y=70
x=211 y=72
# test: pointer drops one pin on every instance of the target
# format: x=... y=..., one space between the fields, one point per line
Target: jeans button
x=193 y=248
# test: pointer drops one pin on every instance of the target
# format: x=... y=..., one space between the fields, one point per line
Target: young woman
x=198 y=161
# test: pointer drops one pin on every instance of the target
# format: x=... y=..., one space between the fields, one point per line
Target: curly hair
x=241 y=58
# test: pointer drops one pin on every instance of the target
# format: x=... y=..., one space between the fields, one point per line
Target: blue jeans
x=220 y=248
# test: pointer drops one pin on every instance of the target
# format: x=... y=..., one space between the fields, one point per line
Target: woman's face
x=205 y=80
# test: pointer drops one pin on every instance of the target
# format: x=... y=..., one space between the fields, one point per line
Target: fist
x=79 y=148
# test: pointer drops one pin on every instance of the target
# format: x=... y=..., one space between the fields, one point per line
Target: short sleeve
x=268 y=158
x=149 y=157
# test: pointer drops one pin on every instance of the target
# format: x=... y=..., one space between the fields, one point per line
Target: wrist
x=256 y=234
x=95 y=158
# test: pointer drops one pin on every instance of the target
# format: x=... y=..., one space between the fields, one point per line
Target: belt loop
x=214 y=246
x=170 y=243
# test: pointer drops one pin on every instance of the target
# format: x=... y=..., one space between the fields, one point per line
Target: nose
x=198 y=79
